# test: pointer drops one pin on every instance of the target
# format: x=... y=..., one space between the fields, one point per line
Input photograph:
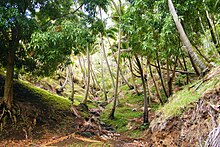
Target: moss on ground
x=178 y=102
x=55 y=101
x=128 y=114
x=181 y=100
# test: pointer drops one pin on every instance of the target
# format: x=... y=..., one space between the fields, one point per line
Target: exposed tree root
x=8 y=115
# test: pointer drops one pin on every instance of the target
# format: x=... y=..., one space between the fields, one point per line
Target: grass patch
x=124 y=112
x=181 y=100
x=55 y=101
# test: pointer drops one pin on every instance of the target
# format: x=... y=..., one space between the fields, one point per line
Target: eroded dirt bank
x=191 y=128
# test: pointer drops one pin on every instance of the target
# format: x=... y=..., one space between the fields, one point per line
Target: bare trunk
x=102 y=64
x=211 y=28
x=161 y=76
x=179 y=71
x=147 y=87
x=185 y=39
x=88 y=77
x=84 y=64
x=146 y=100
x=203 y=56
x=156 y=86
x=66 y=80
x=111 y=115
x=132 y=76
x=72 y=82
x=124 y=79
x=104 y=54
x=8 y=87
x=81 y=67
x=204 y=31
x=194 y=65
x=168 y=77
x=94 y=77
x=187 y=75
x=120 y=71
x=171 y=78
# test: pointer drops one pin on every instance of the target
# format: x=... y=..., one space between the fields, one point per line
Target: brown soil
x=39 y=124
x=191 y=128
x=34 y=119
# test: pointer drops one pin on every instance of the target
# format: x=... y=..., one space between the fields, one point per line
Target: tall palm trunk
x=185 y=39
x=146 y=100
x=111 y=115
x=88 y=77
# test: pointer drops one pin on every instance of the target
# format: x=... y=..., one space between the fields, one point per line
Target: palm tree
x=185 y=40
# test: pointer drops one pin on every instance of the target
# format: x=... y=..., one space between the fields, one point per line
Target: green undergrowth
x=182 y=100
x=128 y=113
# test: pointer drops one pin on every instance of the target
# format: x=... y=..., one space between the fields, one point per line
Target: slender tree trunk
x=171 y=78
x=66 y=79
x=111 y=115
x=120 y=71
x=187 y=75
x=147 y=87
x=95 y=78
x=93 y=82
x=180 y=64
x=185 y=39
x=132 y=76
x=168 y=77
x=211 y=28
x=124 y=79
x=81 y=67
x=155 y=84
x=71 y=73
x=84 y=64
x=146 y=100
x=88 y=77
x=203 y=28
x=161 y=76
x=103 y=70
x=200 y=53
x=104 y=54
x=8 y=87
x=194 y=65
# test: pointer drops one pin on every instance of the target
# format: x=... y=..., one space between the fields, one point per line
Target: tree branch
x=180 y=71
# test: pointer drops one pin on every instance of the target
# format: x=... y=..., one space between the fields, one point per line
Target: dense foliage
x=163 y=42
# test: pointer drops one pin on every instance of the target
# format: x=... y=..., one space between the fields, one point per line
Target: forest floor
x=44 y=119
